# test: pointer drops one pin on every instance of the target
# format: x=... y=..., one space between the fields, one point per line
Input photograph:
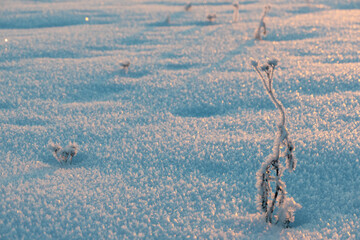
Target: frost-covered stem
x=268 y=86
x=262 y=79
x=269 y=217
x=279 y=105
x=262 y=24
x=286 y=206
x=264 y=187
x=278 y=140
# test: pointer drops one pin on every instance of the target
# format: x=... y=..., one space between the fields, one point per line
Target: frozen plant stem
x=267 y=200
x=262 y=24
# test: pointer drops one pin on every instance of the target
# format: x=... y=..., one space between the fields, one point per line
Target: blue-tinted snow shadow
x=184 y=24
x=136 y=40
x=171 y=55
x=216 y=3
x=166 y=3
x=7 y=104
x=240 y=11
x=324 y=181
x=28 y=176
x=49 y=1
x=42 y=173
x=199 y=111
x=293 y=34
x=347 y=59
x=304 y=52
x=26 y=121
x=161 y=24
x=6 y=65
x=323 y=85
x=95 y=91
x=181 y=66
x=346 y=6
x=205 y=110
x=61 y=18
x=105 y=88
x=302 y=217
x=305 y=9
x=77 y=160
x=132 y=73
x=45 y=53
x=211 y=168
x=104 y=48
x=247 y=2
x=204 y=23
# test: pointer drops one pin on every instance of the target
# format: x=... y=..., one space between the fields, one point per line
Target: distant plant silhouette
x=167 y=20
x=262 y=24
x=188 y=7
x=211 y=17
x=236 y=11
x=125 y=65
x=62 y=155
x=270 y=196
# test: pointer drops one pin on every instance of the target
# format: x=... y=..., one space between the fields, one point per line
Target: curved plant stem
x=267 y=201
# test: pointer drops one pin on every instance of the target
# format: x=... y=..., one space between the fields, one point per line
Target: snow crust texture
x=169 y=146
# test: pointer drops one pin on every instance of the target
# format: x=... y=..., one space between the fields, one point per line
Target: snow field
x=170 y=149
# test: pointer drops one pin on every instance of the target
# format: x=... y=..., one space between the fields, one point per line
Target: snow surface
x=170 y=149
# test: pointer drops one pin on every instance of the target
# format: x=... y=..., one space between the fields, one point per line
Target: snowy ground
x=171 y=148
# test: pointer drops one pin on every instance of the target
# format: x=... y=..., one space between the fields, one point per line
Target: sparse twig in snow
x=271 y=170
x=262 y=24
x=62 y=155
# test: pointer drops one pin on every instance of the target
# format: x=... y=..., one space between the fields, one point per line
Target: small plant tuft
x=262 y=24
x=63 y=155
x=274 y=196
x=125 y=65
x=211 y=17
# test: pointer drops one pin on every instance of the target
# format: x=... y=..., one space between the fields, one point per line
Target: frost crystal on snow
x=268 y=199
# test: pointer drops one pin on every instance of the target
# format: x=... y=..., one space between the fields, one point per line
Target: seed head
x=254 y=63
x=273 y=62
x=265 y=67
